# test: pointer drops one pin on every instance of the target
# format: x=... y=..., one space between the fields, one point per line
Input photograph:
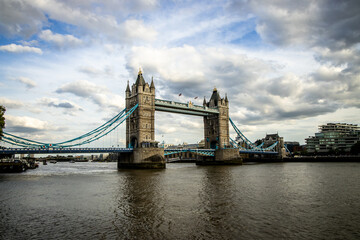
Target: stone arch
x=214 y=144
x=133 y=142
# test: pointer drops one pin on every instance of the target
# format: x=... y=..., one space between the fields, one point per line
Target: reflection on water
x=218 y=204
x=139 y=204
x=184 y=201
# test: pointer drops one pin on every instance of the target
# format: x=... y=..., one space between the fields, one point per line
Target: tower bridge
x=142 y=149
x=140 y=127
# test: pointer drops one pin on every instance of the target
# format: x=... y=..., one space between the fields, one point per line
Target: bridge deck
x=110 y=150
x=62 y=150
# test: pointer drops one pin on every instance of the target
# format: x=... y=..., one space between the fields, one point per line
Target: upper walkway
x=183 y=108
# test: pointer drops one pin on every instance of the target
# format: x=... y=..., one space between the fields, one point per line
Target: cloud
x=57 y=103
x=25 y=124
x=27 y=17
x=276 y=60
x=136 y=29
x=195 y=71
x=20 y=18
x=27 y=81
x=97 y=94
x=285 y=86
x=97 y=23
x=329 y=23
x=168 y=124
x=11 y=104
x=61 y=41
x=14 y=48
x=248 y=81
x=96 y=72
x=163 y=129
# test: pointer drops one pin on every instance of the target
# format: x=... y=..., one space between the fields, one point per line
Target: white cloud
x=180 y=64
x=59 y=39
x=10 y=103
x=91 y=71
x=100 y=95
x=136 y=29
x=25 y=124
x=14 y=48
x=27 y=81
x=96 y=23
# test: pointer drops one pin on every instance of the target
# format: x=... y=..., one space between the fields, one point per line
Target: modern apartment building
x=333 y=137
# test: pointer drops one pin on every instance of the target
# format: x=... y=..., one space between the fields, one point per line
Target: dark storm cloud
x=325 y=23
x=303 y=112
x=340 y=21
x=284 y=86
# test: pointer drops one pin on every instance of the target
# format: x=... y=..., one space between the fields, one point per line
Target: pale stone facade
x=140 y=126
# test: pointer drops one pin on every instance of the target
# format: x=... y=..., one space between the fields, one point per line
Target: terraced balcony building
x=333 y=137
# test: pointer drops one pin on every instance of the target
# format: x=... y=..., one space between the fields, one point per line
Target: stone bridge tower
x=140 y=126
x=216 y=127
x=216 y=132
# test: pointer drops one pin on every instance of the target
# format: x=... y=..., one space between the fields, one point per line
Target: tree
x=2 y=120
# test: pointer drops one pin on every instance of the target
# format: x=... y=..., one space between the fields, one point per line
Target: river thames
x=184 y=201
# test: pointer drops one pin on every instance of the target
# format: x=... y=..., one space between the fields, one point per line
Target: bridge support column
x=229 y=156
x=142 y=158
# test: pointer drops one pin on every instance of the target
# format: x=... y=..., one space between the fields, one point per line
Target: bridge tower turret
x=216 y=127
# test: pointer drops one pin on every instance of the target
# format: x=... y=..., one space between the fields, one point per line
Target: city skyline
x=286 y=67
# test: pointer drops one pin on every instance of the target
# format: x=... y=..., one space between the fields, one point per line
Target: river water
x=184 y=201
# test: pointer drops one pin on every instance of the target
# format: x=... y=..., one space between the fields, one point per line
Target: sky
x=286 y=66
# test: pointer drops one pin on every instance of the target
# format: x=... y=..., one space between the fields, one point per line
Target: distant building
x=165 y=145
x=184 y=145
x=292 y=146
x=333 y=137
x=269 y=142
x=271 y=139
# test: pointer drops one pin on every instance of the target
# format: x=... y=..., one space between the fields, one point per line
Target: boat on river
x=11 y=166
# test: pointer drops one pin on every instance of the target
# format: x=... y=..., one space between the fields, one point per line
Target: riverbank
x=286 y=159
x=307 y=159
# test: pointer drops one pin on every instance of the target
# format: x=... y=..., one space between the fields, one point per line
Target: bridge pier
x=228 y=156
x=142 y=158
